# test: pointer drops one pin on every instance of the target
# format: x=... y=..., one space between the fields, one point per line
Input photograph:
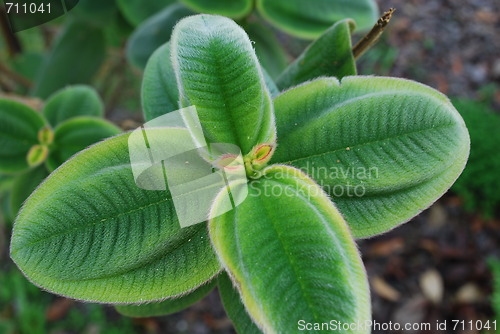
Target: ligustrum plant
x=326 y=161
x=34 y=144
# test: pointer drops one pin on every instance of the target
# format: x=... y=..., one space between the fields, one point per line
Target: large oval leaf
x=383 y=148
x=309 y=19
x=218 y=72
x=234 y=307
x=168 y=306
x=160 y=94
x=231 y=8
x=88 y=232
x=71 y=102
x=153 y=33
x=78 y=44
x=18 y=133
x=328 y=56
x=291 y=255
x=76 y=134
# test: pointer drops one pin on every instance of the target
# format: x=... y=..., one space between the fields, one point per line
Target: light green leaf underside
x=153 y=33
x=231 y=8
x=77 y=134
x=268 y=48
x=71 y=102
x=309 y=19
x=291 y=255
x=168 y=306
x=234 y=307
x=217 y=71
x=88 y=232
x=78 y=44
x=160 y=94
x=24 y=185
x=400 y=144
x=136 y=11
x=328 y=56
x=19 y=127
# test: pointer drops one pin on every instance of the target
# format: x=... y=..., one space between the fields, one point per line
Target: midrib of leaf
x=336 y=150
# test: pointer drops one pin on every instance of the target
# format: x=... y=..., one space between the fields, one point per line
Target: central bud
x=258 y=158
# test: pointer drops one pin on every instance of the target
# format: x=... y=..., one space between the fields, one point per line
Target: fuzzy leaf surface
x=71 y=102
x=384 y=148
x=168 y=306
x=88 y=232
x=291 y=254
x=218 y=72
x=328 y=56
x=18 y=133
x=234 y=307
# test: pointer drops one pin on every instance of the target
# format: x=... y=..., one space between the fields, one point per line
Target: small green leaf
x=136 y=11
x=235 y=9
x=89 y=232
x=76 y=134
x=18 y=133
x=45 y=136
x=153 y=33
x=218 y=72
x=160 y=94
x=328 y=56
x=37 y=155
x=385 y=149
x=268 y=48
x=80 y=48
x=234 y=307
x=71 y=102
x=291 y=255
x=309 y=19
x=169 y=306
x=24 y=185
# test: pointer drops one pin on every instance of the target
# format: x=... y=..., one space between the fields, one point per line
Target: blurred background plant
x=434 y=270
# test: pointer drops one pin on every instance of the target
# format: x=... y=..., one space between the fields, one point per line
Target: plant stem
x=372 y=37
x=15 y=76
x=11 y=39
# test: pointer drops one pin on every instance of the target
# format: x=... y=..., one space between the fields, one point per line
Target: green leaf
x=18 y=133
x=71 y=102
x=268 y=48
x=291 y=255
x=76 y=134
x=153 y=33
x=88 y=232
x=234 y=307
x=168 y=306
x=271 y=85
x=75 y=57
x=309 y=19
x=136 y=11
x=385 y=149
x=160 y=94
x=218 y=72
x=94 y=13
x=37 y=155
x=328 y=56
x=24 y=185
x=235 y=9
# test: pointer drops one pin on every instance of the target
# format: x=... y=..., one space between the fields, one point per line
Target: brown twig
x=372 y=37
x=15 y=76
x=11 y=39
